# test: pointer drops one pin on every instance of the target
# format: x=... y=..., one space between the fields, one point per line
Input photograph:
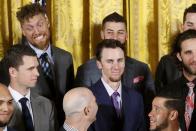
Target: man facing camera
x=120 y=108
x=6 y=108
x=80 y=109
x=32 y=111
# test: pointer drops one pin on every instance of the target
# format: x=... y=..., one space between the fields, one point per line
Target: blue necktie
x=116 y=103
x=45 y=64
x=26 y=115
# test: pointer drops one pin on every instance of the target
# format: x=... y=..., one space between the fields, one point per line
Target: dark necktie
x=26 y=115
x=46 y=65
x=116 y=103
x=189 y=107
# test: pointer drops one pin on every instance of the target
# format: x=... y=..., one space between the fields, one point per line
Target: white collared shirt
x=68 y=128
x=110 y=91
x=5 y=128
x=17 y=96
x=40 y=52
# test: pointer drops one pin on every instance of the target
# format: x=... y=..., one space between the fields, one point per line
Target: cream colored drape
x=76 y=24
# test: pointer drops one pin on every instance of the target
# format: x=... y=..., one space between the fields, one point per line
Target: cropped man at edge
x=169 y=68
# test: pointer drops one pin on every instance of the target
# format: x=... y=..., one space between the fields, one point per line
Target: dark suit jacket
x=63 y=75
x=132 y=118
x=62 y=129
x=43 y=115
x=179 y=89
x=167 y=71
x=137 y=75
x=10 y=129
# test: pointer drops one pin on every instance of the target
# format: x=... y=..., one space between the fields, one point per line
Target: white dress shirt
x=40 y=52
x=17 y=96
x=110 y=91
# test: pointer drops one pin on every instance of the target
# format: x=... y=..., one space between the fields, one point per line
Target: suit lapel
x=35 y=109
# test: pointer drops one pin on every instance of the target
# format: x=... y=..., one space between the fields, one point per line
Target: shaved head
x=76 y=99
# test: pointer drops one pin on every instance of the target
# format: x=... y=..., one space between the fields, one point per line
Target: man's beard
x=3 y=124
x=188 y=69
x=161 y=126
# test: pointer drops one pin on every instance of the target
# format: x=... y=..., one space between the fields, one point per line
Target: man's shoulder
x=57 y=50
x=90 y=64
x=10 y=129
x=35 y=97
x=132 y=61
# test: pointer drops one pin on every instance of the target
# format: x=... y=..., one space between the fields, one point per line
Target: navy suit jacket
x=132 y=118
x=10 y=129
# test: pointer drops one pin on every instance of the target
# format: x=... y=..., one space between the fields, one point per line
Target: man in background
x=80 y=109
x=6 y=108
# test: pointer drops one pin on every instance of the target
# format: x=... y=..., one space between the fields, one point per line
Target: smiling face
x=36 y=30
x=114 y=30
x=112 y=64
x=190 y=21
x=6 y=106
x=159 y=115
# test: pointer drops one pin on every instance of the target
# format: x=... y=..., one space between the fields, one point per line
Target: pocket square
x=138 y=79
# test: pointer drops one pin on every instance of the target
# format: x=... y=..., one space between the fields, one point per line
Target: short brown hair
x=28 y=11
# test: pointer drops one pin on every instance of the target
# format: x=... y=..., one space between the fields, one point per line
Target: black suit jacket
x=179 y=89
x=132 y=118
x=167 y=71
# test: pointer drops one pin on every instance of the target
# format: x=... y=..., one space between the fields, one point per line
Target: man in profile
x=80 y=109
x=6 y=108
x=167 y=109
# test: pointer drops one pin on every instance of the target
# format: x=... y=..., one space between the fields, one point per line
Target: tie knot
x=191 y=85
x=44 y=56
x=23 y=100
x=115 y=94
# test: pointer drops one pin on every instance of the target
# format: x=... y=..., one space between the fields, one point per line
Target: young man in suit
x=32 y=111
x=80 y=109
x=184 y=86
x=137 y=74
x=6 y=108
x=55 y=80
x=167 y=109
x=120 y=108
x=169 y=68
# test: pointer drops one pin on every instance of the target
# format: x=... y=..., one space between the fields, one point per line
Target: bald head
x=6 y=105
x=76 y=100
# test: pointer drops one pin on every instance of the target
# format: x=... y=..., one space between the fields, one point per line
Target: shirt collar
x=5 y=128
x=109 y=89
x=16 y=95
x=68 y=128
x=40 y=52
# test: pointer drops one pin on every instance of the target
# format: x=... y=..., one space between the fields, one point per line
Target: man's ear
x=173 y=115
x=47 y=20
x=12 y=71
x=179 y=56
x=99 y=64
x=86 y=111
x=102 y=34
